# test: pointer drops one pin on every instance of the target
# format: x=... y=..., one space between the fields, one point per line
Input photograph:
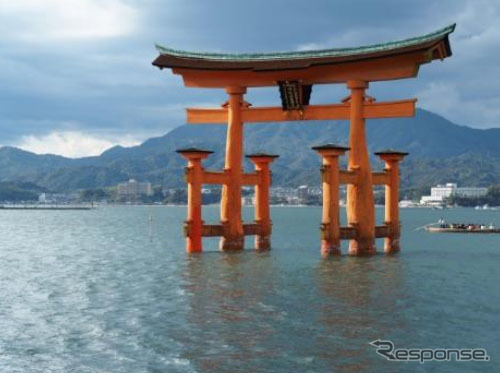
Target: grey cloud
x=109 y=84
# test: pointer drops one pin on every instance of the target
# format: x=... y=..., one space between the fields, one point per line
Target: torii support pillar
x=262 y=213
x=230 y=213
x=360 y=202
x=330 y=223
x=194 y=175
x=392 y=159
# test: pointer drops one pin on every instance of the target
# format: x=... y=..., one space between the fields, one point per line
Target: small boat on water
x=442 y=227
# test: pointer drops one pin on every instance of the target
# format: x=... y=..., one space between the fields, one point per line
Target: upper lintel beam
x=392 y=60
x=379 y=69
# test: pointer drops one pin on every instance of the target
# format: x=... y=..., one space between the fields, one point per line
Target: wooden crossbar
x=221 y=178
x=381 y=178
x=347 y=177
x=372 y=110
x=252 y=178
x=217 y=230
x=211 y=177
x=349 y=233
x=252 y=229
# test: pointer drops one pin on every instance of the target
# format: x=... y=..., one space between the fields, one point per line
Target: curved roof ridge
x=438 y=34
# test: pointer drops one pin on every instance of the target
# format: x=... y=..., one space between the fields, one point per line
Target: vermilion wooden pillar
x=360 y=202
x=194 y=174
x=233 y=238
x=262 y=213
x=392 y=159
x=330 y=223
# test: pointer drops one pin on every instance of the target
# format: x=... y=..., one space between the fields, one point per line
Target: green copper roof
x=336 y=52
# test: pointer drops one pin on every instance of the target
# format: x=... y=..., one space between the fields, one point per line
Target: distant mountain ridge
x=440 y=151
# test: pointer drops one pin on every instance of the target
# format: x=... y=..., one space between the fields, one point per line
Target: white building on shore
x=133 y=188
x=440 y=193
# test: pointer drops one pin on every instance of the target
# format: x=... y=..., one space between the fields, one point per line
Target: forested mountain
x=440 y=151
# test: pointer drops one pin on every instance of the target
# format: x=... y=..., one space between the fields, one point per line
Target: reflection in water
x=245 y=310
x=355 y=293
x=229 y=312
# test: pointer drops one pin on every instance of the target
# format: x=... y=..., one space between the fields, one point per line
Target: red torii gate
x=295 y=73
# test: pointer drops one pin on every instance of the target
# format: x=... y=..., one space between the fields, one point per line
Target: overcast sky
x=76 y=75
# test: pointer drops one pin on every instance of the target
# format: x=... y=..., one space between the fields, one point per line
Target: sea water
x=112 y=290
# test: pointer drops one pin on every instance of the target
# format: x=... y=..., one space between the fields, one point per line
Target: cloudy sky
x=76 y=75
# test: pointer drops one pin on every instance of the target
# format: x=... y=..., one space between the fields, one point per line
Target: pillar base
x=362 y=248
x=263 y=243
x=391 y=245
x=328 y=249
x=232 y=243
x=193 y=246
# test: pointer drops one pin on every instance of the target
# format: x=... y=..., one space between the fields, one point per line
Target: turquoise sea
x=111 y=290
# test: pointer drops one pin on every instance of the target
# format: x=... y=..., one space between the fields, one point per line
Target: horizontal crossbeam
x=217 y=230
x=350 y=177
x=252 y=229
x=350 y=233
x=347 y=177
x=380 y=178
x=212 y=230
x=211 y=177
x=372 y=110
x=382 y=231
x=251 y=178
x=221 y=178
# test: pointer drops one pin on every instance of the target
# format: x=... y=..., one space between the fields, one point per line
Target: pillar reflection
x=357 y=295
